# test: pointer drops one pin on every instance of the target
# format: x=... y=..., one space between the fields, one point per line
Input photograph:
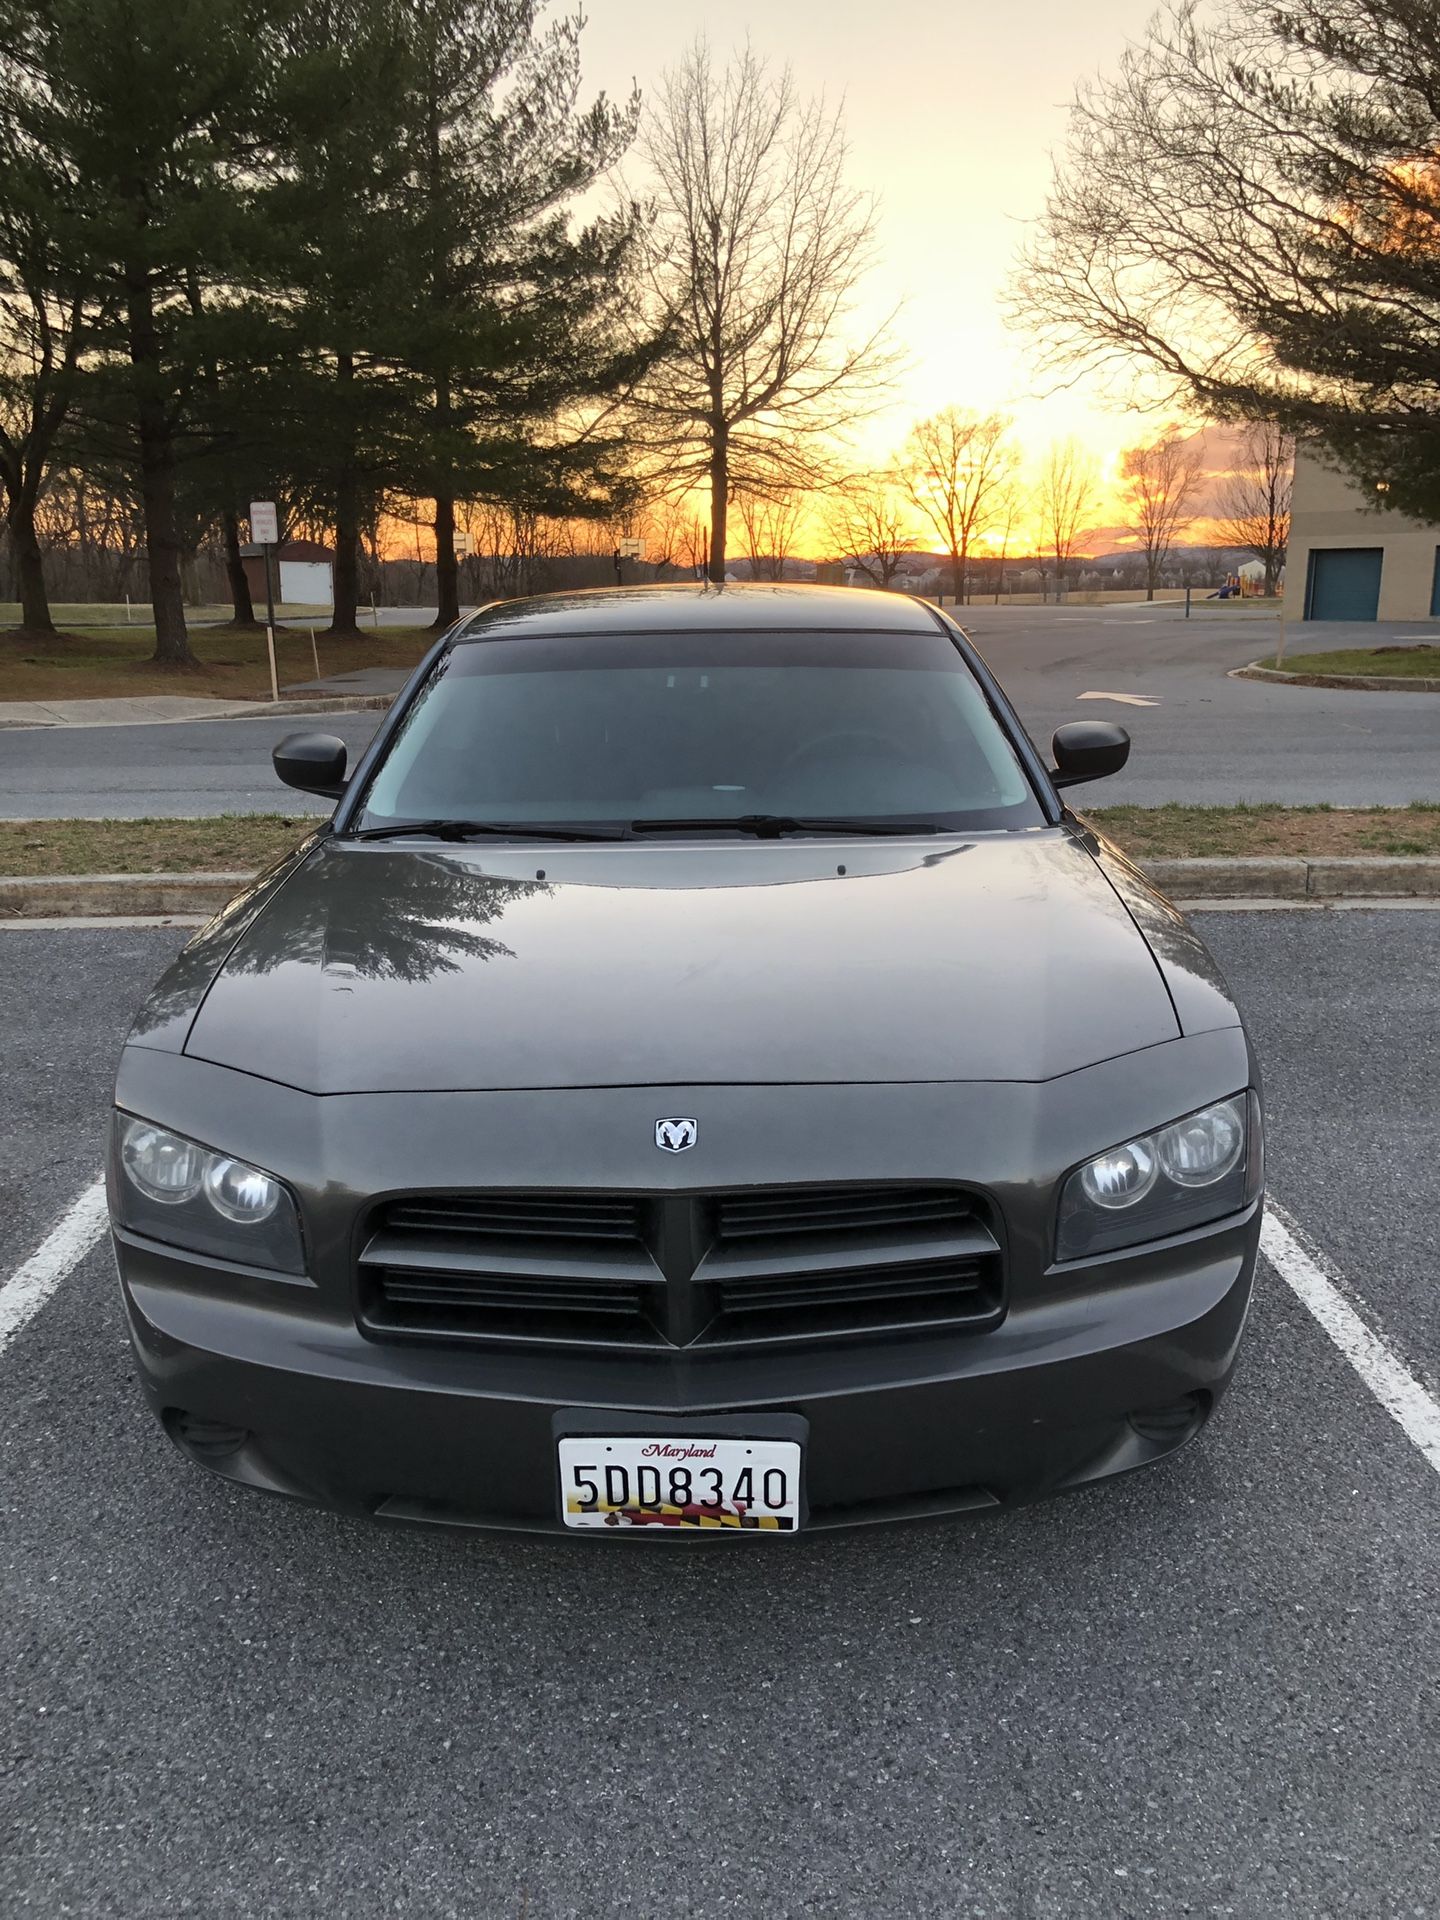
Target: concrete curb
x=316 y=708
x=1285 y=878
x=1361 y=682
x=66 y=895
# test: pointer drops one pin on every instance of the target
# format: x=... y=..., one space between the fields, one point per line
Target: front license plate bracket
x=778 y=1448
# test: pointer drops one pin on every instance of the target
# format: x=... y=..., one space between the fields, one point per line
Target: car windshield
x=687 y=727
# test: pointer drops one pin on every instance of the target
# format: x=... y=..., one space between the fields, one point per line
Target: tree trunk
x=719 y=499
x=35 y=615
x=344 y=614
x=447 y=567
x=957 y=577
x=343 y=618
x=447 y=571
x=157 y=475
x=243 y=607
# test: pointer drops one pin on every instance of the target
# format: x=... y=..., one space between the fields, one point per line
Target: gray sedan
x=702 y=1079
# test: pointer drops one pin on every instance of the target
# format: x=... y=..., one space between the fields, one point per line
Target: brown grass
x=111 y=662
x=240 y=843
x=1179 y=833
x=230 y=843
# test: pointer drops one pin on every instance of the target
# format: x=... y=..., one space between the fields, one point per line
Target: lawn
x=110 y=662
x=241 y=843
x=1418 y=662
x=1179 y=833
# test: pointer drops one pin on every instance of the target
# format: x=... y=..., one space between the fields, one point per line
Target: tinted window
x=703 y=725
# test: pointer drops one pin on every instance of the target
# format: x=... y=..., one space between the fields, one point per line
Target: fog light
x=205 y=1439
x=1167 y=1426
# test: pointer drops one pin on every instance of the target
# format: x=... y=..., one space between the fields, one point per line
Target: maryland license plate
x=647 y=1480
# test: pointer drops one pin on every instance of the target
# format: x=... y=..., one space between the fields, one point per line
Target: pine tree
x=330 y=263
x=515 y=320
x=137 y=114
x=45 y=313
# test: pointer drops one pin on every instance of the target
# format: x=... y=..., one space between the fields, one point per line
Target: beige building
x=1351 y=559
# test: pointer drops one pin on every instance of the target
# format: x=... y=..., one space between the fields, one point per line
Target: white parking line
x=64 y=1247
x=1302 y=1266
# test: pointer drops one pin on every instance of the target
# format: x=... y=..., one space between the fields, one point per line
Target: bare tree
x=1010 y=508
x=954 y=470
x=1161 y=481
x=1255 y=501
x=755 y=256
x=1246 y=212
x=772 y=526
x=692 y=546
x=666 y=525
x=1065 y=498
x=868 y=524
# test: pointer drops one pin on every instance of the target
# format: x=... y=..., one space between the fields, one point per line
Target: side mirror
x=314 y=762
x=1088 y=750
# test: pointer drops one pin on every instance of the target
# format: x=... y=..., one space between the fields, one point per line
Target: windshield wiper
x=479 y=829
x=770 y=826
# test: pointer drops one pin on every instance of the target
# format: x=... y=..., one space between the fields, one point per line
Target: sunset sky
x=952 y=108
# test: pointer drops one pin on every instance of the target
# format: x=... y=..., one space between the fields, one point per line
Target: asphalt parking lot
x=1203 y=1690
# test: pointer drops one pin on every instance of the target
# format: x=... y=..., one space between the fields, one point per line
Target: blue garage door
x=1344 y=583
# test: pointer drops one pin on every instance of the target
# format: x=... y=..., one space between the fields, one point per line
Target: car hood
x=392 y=967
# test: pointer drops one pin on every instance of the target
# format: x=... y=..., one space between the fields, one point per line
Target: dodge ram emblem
x=674 y=1136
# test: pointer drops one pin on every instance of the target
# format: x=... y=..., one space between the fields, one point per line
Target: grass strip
x=111 y=662
x=241 y=843
x=1240 y=832
x=1419 y=662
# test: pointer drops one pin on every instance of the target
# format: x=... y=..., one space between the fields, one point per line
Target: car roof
x=688 y=608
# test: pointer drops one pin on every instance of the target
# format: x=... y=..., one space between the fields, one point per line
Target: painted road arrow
x=1126 y=699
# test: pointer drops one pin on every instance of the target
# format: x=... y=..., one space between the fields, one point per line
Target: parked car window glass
x=873 y=726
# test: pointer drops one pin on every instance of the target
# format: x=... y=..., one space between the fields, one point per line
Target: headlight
x=1200 y=1168
x=242 y=1193
x=175 y=1190
x=163 y=1166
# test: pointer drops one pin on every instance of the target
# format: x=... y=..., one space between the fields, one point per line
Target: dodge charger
x=702 y=1078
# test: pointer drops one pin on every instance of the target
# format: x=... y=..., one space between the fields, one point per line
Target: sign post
x=627 y=550
x=265 y=532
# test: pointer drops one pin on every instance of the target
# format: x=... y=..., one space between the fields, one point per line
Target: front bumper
x=272 y=1382
x=893 y=1429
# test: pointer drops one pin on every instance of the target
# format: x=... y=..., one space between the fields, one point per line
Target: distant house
x=1352 y=559
x=305 y=574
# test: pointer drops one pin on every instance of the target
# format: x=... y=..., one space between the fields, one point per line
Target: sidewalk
x=365 y=690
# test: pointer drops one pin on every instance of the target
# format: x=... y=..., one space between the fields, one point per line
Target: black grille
x=765 y=1266
x=564 y=1268
x=847 y=1210
x=798 y=1261
x=521 y=1216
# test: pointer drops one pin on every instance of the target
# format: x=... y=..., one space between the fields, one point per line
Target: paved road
x=1208 y=738
x=1204 y=1690
x=204 y=767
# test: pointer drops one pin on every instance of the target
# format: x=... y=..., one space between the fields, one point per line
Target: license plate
x=649 y=1481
